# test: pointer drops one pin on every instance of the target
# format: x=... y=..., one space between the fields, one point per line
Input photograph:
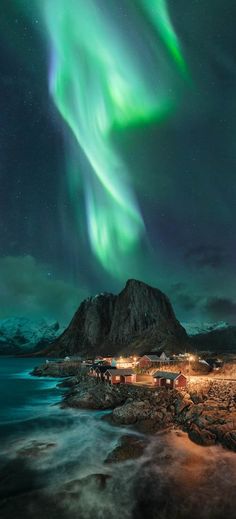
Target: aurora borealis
x=98 y=82
x=118 y=152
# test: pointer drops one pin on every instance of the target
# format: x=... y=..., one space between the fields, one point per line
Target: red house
x=98 y=371
x=148 y=360
x=169 y=379
x=120 y=376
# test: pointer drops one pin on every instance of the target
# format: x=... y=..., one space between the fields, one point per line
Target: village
x=171 y=372
x=181 y=371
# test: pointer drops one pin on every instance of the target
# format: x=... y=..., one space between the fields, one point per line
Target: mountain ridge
x=20 y=334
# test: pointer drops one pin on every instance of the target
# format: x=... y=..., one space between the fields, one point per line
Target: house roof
x=202 y=361
x=163 y=354
x=153 y=358
x=167 y=374
x=101 y=368
x=125 y=371
x=214 y=361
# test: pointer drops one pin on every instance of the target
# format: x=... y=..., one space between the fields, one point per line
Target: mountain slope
x=218 y=340
x=138 y=319
x=197 y=328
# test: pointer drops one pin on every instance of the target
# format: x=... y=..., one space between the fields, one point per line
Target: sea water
x=52 y=461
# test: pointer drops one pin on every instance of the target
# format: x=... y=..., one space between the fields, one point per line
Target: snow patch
x=206 y=327
x=25 y=334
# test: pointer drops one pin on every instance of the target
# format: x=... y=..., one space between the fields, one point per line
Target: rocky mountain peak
x=139 y=318
x=132 y=283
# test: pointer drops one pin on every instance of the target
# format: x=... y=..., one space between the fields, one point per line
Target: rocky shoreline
x=206 y=411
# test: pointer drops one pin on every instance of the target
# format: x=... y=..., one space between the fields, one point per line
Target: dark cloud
x=187 y=302
x=206 y=256
x=27 y=288
x=221 y=308
x=177 y=288
x=183 y=298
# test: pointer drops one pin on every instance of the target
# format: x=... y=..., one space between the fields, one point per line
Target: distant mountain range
x=139 y=319
x=22 y=335
x=214 y=337
x=194 y=328
x=218 y=340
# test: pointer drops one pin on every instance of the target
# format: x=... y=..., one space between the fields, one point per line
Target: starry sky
x=117 y=153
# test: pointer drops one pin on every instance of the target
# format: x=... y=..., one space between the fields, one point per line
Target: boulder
x=95 y=395
x=229 y=440
x=201 y=436
x=131 y=412
x=130 y=447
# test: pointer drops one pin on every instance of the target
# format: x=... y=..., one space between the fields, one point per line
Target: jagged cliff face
x=89 y=326
x=139 y=319
x=138 y=308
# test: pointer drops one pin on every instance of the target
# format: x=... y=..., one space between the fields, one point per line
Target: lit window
x=117 y=378
x=168 y=381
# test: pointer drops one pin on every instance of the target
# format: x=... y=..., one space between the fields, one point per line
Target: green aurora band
x=104 y=82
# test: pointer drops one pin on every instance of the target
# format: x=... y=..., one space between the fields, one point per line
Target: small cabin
x=170 y=380
x=122 y=362
x=164 y=358
x=147 y=361
x=120 y=376
x=98 y=371
x=92 y=371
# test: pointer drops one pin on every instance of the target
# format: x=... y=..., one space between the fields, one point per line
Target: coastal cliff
x=206 y=410
x=207 y=414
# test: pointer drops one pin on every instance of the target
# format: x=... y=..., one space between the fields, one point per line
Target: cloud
x=221 y=308
x=206 y=256
x=183 y=299
x=27 y=288
x=186 y=302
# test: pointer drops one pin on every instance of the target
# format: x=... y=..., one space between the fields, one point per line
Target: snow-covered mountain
x=21 y=335
x=194 y=328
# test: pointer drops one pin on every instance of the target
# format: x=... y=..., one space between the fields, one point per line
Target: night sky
x=117 y=153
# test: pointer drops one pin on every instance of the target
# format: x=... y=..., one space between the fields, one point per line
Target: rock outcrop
x=60 y=370
x=129 y=447
x=206 y=410
x=207 y=413
x=91 y=395
x=138 y=319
